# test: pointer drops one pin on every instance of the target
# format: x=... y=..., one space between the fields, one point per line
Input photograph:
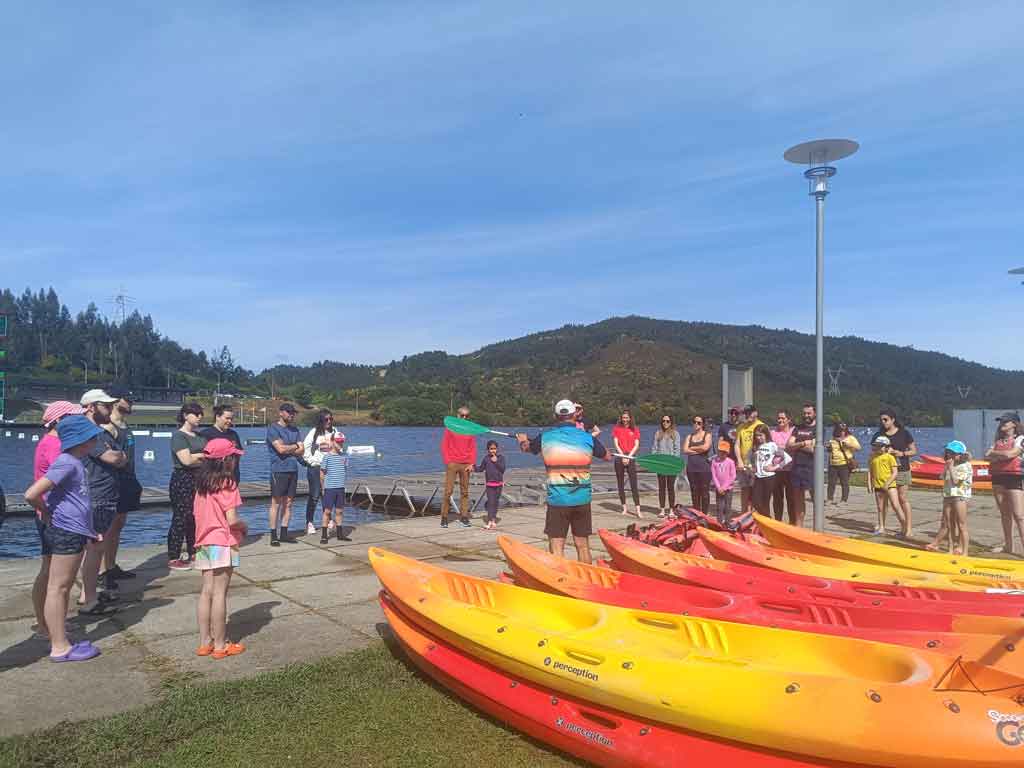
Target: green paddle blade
x=464 y=426
x=661 y=463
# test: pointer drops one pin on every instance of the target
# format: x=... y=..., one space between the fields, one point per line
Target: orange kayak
x=990 y=639
x=724 y=547
x=823 y=697
x=927 y=473
x=797 y=539
x=601 y=736
x=666 y=564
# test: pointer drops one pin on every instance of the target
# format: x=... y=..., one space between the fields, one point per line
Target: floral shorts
x=210 y=556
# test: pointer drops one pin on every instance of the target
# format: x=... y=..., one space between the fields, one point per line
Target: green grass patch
x=360 y=710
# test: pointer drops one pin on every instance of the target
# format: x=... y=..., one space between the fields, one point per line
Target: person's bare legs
x=799 y=506
x=582 y=548
x=90 y=571
x=893 y=497
x=945 y=528
x=556 y=546
x=272 y=512
x=960 y=515
x=903 y=508
x=58 y=591
x=1016 y=504
x=219 y=607
x=39 y=594
x=203 y=609
x=880 y=503
x=286 y=511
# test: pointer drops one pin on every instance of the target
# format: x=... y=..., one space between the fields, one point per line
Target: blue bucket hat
x=75 y=430
x=956 y=446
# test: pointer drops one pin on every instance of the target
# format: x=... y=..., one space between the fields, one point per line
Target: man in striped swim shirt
x=567 y=453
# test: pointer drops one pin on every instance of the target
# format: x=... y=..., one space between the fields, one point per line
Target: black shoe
x=444 y=522
x=106 y=597
x=273 y=539
x=465 y=523
x=324 y=539
x=119 y=573
x=109 y=581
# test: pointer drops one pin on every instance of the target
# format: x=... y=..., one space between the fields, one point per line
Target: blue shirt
x=69 y=501
x=567 y=453
x=335 y=467
x=289 y=436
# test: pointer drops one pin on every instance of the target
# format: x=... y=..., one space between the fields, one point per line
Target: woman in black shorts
x=1007 y=470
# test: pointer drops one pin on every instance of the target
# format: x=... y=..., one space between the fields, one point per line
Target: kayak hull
x=827 y=698
x=809 y=542
x=579 y=728
x=725 y=547
x=633 y=556
x=992 y=640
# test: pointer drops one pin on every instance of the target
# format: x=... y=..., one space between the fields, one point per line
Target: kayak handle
x=599 y=720
x=657 y=623
x=586 y=658
x=791 y=608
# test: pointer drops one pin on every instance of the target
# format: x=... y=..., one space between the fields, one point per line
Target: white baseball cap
x=96 y=396
x=565 y=407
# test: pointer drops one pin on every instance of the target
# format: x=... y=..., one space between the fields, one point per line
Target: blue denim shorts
x=334 y=497
x=57 y=541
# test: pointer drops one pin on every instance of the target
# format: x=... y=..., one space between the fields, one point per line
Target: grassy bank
x=362 y=709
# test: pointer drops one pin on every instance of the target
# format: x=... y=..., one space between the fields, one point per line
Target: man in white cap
x=567 y=453
x=102 y=469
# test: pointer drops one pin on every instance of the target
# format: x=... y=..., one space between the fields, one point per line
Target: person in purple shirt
x=61 y=496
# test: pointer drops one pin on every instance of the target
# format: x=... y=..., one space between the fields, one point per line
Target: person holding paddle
x=567 y=453
x=458 y=452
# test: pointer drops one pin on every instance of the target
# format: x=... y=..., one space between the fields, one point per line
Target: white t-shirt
x=769 y=459
x=313 y=458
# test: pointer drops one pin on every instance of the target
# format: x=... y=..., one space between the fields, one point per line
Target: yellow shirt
x=837 y=456
x=883 y=469
x=745 y=438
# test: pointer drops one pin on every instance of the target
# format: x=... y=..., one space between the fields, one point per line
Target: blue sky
x=359 y=181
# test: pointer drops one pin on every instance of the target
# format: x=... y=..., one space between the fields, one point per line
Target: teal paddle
x=658 y=463
x=470 y=428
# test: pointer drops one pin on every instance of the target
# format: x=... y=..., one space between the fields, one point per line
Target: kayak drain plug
x=792 y=688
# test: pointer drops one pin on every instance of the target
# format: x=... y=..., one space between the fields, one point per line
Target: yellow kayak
x=830 y=698
x=802 y=540
x=725 y=547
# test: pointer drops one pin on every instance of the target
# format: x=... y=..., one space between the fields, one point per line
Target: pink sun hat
x=58 y=409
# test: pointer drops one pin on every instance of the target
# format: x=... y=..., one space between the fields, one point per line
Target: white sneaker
x=310 y=529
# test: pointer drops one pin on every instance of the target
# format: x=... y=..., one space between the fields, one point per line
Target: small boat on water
x=255 y=441
x=927 y=473
x=360 y=450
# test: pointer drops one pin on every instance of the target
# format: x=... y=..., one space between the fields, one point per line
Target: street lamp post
x=817 y=155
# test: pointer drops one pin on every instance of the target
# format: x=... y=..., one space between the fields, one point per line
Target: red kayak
x=990 y=639
x=633 y=557
x=927 y=473
x=598 y=735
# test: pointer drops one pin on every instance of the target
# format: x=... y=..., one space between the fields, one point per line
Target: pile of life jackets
x=679 y=531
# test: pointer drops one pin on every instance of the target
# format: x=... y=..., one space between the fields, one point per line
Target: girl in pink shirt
x=219 y=532
x=723 y=475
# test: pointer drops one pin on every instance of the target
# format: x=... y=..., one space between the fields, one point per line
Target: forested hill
x=652 y=366
x=661 y=365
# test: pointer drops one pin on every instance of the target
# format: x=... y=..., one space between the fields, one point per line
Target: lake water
x=402 y=450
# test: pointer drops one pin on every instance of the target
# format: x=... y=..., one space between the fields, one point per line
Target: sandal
x=204 y=650
x=231 y=649
x=932 y=547
x=82 y=651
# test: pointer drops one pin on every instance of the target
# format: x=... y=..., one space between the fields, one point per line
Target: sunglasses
x=666 y=421
x=699 y=422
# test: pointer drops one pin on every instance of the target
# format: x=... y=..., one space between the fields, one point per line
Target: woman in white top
x=317 y=443
x=768 y=459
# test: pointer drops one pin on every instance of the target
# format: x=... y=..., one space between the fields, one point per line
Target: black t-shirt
x=104 y=479
x=802 y=433
x=900 y=441
x=212 y=433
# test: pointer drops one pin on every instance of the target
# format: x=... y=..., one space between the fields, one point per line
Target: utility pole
x=85 y=365
x=357 y=403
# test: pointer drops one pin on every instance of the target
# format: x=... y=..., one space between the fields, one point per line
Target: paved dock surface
x=293 y=603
